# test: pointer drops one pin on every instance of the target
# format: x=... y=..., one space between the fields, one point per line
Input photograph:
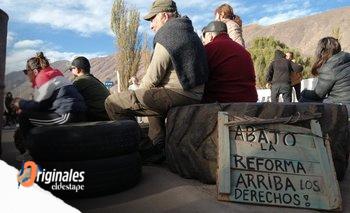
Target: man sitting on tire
x=175 y=76
x=231 y=75
x=92 y=89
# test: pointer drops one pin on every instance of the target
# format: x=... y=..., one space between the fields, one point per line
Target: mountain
x=304 y=33
x=102 y=68
x=17 y=82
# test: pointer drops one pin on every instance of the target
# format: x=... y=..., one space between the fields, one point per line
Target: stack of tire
x=105 y=151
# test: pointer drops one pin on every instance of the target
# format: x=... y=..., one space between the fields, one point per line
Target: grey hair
x=173 y=14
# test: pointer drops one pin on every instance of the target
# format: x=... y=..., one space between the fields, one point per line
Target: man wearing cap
x=175 y=76
x=231 y=69
x=92 y=89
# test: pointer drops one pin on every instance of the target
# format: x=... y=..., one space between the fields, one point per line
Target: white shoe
x=24 y=157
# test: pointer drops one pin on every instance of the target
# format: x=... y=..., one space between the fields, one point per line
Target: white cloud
x=284 y=10
x=280 y=17
x=16 y=60
x=200 y=21
x=23 y=50
x=10 y=38
x=84 y=17
x=87 y=17
x=55 y=55
x=26 y=44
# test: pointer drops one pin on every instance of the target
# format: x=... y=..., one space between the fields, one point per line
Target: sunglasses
x=26 y=71
x=72 y=68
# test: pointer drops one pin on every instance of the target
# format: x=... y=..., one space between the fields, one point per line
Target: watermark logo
x=27 y=174
x=69 y=180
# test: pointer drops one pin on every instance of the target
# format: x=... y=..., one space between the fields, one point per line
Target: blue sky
x=63 y=29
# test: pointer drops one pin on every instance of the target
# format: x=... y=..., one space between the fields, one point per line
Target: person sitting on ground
x=332 y=68
x=225 y=14
x=278 y=75
x=93 y=90
x=175 y=76
x=297 y=76
x=231 y=69
x=56 y=101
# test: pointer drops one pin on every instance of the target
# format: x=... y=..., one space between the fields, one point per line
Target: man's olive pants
x=154 y=103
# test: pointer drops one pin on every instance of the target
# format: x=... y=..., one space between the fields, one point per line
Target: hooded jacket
x=334 y=79
x=279 y=70
x=186 y=51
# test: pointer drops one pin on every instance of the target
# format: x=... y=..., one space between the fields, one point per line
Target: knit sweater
x=279 y=70
x=186 y=51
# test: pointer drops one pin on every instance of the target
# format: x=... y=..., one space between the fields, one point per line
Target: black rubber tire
x=19 y=140
x=102 y=177
x=83 y=141
x=341 y=167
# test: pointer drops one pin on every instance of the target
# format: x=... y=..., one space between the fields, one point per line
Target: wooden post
x=3 y=38
x=224 y=171
x=119 y=80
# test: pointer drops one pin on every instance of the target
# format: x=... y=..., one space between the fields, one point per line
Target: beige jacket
x=234 y=31
x=161 y=73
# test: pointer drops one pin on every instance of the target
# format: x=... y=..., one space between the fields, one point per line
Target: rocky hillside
x=102 y=68
x=304 y=33
x=17 y=83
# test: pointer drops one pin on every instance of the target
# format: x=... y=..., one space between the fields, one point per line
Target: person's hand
x=133 y=80
x=15 y=103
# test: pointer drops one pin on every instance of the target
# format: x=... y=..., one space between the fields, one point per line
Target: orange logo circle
x=27 y=174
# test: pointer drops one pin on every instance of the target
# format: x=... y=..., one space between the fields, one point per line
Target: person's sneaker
x=24 y=157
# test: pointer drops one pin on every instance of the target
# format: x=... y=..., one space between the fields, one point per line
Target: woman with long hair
x=233 y=22
x=56 y=101
x=332 y=67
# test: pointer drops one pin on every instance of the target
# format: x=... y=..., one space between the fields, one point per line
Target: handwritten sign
x=276 y=164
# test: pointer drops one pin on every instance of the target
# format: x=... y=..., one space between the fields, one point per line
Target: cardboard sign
x=276 y=164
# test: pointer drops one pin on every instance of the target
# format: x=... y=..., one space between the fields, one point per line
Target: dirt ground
x=163 y=191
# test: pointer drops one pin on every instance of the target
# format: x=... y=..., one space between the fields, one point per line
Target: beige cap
x=159 y=6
